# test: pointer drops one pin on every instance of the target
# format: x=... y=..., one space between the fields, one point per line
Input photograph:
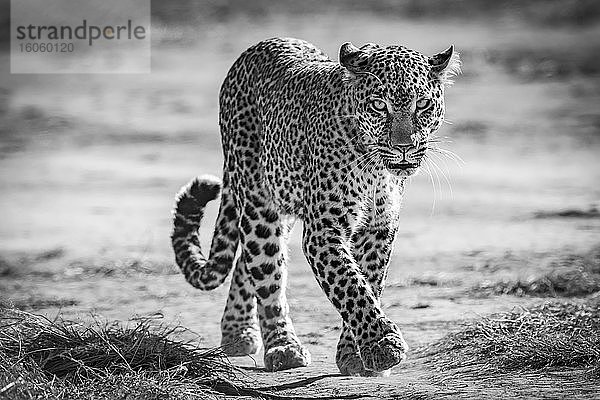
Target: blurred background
x=90 y=164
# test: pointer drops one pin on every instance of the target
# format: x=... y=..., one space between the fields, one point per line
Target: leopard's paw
x=384 y=353
x=241 y=343
x=351 y=364
x=285 y=357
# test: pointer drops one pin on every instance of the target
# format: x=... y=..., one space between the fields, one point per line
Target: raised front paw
x=285 y=357
x=241 y=343
x=384 y=353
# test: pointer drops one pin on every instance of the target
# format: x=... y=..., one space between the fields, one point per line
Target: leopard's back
x=265 y=103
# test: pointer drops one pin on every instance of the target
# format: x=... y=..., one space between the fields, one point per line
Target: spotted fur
x=329 y=143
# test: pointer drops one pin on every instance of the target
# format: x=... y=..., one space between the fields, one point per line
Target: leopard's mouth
x=401 y=165
x=401 y=168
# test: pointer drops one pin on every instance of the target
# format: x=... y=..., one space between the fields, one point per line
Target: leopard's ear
x=370 y=46
x=353 y=58
x=446 y=64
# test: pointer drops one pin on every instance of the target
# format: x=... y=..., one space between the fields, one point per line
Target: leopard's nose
x=402 y=131
x=404 y=149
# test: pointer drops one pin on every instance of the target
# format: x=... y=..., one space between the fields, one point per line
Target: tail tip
x=198 y=192
x=205 y=188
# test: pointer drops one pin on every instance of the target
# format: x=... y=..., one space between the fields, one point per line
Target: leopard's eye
x=423 y=104
x=379 y=105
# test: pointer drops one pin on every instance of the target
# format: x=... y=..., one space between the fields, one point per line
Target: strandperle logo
x=80 y=36
x=84 y=31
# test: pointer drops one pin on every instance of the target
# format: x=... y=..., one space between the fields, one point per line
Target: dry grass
x=36 y=302
x=40 y=358
x=59 y=267
x=570 y=276
x=559 y=283
x=550 y=337
x=550 y=351
x=427 y=280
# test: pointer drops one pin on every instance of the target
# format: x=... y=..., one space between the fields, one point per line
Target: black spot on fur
x=267 y=268
x=271 y=249
x=257 y=273
x=250 y=212
x=245 y=224
x=263 y=232
x=269 y=215
x=253 y=247
x=263 y=292
x=230 y=213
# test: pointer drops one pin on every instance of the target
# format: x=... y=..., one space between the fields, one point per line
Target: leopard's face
x=398 y=102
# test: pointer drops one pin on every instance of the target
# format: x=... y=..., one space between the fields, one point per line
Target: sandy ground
x=89 y=166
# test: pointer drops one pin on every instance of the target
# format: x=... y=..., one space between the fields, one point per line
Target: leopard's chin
x=405 y=173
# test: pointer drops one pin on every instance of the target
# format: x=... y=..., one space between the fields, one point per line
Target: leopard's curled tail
x=202 y=273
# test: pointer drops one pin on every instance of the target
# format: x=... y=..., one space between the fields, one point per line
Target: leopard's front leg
x=372 y=247
x=327 y=246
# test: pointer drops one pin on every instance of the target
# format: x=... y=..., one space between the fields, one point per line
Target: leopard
x=329 y=143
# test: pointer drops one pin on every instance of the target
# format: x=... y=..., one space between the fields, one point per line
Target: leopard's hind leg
x=264 y=234
x=240 y=333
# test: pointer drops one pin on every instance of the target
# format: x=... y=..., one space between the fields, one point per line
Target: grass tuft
x=571 y=276
x=559 y=283
x=554 y=336
x=41 y=358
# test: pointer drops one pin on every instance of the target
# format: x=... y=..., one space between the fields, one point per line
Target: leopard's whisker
x=436 y=140
x=428 y=170
x=441 y=171
x=370 y=164
x=365 y=165
x=359 y=162
x=362 y=160
x=437 y=176
x=448 y=154
x=356 y=135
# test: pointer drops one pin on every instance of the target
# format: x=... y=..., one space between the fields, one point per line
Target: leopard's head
x=397 y=101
